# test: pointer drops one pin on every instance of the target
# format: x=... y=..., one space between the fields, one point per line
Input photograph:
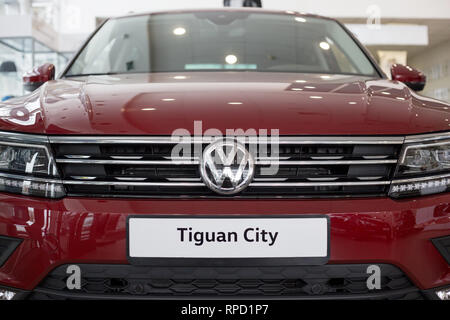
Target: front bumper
x=88 y=231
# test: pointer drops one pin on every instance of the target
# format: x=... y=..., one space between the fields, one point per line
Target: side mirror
x=40 y=75
x=413 y=78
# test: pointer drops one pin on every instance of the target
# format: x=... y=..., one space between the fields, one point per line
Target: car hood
x=159 y=104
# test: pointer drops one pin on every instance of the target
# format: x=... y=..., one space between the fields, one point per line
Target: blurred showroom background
x=414 y=32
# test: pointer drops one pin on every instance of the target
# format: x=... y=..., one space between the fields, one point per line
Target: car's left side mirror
x=413 y=78
x=40 y=75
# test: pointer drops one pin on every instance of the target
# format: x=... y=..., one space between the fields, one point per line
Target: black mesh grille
x=443 y=245
x=324 y=171
x=330 y=281
x=7 y=247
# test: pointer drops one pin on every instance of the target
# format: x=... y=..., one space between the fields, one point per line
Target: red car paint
x=372 y=230
x=76 y=230
x=112 y=105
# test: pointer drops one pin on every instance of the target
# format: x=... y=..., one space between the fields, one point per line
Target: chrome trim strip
x=196 y=162
x=427 y=137
x=137 y=184
x=130 y=179
x=82 y=178
x=369 y=178
x=206 y=140
x=126 y=158
x=136 y=162
x=31 y=138
x=23 y=137
x=410 y=180
x=183 y=179
x=201 y=184
x=327 y=162
x=28 y=178
x=327 y=158
x=77 y=157
x=375 y=157
x=270 y=158
x=325 y=184
x=322 y=179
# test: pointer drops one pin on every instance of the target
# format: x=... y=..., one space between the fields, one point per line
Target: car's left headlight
x=423 y=169
x=27 y=167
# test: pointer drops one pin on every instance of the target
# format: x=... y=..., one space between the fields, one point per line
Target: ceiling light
x=325 y=45
x=231 y=59
x=180 y=77
x=179 y=31
x=300 y=19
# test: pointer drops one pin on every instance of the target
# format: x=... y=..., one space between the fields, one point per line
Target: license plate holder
x=165 y=240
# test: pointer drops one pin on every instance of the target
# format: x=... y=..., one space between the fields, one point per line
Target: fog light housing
x=6 y=294
x=7 y=247
x=443 y=294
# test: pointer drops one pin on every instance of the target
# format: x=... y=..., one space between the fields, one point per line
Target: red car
x=226 y=154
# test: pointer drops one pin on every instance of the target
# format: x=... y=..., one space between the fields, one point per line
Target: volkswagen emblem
x=227 y=167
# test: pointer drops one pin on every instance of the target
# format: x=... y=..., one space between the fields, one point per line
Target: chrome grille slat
x=196 y=162
x=130 y=179
x=207 y=140
x=126 y=158
x=76 y=157
x=375 y=157
x=134 y=183
x=326 y=162
x=135 y=162
x=201 y=184
x=327 y=158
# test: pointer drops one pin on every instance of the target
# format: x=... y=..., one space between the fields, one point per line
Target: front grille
x=140 y=282
x=308 y=167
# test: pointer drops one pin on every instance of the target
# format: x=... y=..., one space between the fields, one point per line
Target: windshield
x=225 y=41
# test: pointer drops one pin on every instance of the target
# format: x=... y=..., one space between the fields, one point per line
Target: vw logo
x=227 y=167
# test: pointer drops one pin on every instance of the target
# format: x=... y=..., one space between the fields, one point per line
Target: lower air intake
x=312 y=282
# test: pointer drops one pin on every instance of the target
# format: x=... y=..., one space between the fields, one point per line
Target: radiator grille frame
x=265 y=188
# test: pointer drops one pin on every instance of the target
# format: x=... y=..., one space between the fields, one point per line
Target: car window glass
x=233 y=41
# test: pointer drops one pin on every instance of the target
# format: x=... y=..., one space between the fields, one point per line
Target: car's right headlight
x=423 y=169
x=27 y=166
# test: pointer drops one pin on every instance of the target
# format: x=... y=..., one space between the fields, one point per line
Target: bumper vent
x=140 y=282
x=143 y=167
x=7 y=247
x=443 y=246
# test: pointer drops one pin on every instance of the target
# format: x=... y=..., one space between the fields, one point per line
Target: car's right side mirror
x=413 y=78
